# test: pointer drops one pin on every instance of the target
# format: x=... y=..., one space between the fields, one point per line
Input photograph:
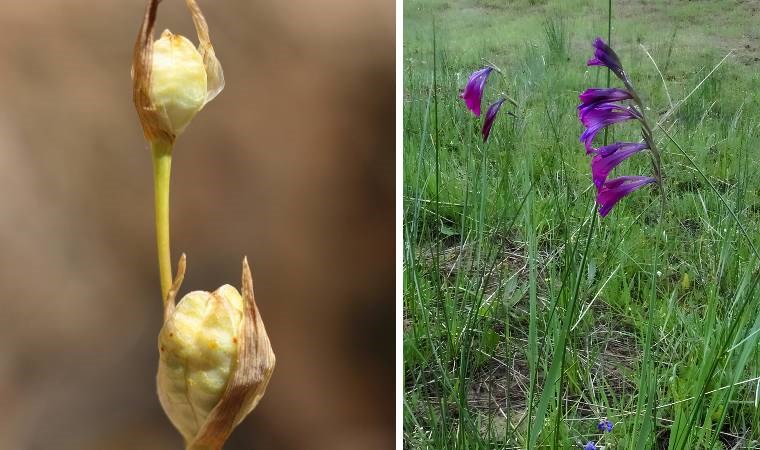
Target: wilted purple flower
x=473 y=90
x=594 y=96
x=597 y=117
x=605 y=56
x=613 y=190
x=590 y=446
x=603 y=163
x=604 y=425
x=490 y=116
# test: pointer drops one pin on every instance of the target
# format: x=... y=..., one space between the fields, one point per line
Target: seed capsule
x=172 y=80
x=215 y=361
x=177 y=81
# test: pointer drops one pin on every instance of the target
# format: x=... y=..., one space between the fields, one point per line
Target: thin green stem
x=162 y=165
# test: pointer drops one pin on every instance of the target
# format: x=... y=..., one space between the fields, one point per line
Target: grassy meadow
x=528 y=318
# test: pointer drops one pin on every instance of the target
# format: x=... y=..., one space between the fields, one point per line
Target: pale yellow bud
x=177 y=80
x=215 y=361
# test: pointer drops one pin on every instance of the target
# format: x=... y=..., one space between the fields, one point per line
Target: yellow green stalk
x=162 y=166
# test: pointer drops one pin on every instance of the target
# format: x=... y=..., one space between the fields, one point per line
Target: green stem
x=162 y=165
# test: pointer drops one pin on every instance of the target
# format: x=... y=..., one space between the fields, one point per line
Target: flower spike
x=600 y=108
x=473 y=90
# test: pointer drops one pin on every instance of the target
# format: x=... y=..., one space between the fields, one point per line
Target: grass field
x=527 y=318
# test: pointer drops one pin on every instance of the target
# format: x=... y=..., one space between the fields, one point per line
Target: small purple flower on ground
x=613 y=190
x=604 y=425
x=590 y=446
x=490 y=116
x=605 y=56
x=473 y=90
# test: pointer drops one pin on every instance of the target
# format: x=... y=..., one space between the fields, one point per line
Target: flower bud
x=172 y=80
x=215 y=361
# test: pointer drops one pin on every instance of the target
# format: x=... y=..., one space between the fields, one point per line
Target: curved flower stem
x=162 y=164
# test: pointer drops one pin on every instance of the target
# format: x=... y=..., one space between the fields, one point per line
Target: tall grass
x=527 y=318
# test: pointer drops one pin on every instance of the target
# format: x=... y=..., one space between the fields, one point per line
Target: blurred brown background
x=293 y=165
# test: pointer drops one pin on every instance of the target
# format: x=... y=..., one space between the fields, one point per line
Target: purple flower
x=594 y=96
x=597 y=117
x=613 y=190
x=473 y=90
x=490 y=116
x=604 y=425
x=603 y=163
x=605 y=56
x=590 y=446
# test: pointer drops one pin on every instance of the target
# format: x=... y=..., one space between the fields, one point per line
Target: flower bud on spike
x=172 y=80
x=215 y=360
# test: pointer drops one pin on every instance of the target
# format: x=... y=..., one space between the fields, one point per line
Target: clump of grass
x=557 y=40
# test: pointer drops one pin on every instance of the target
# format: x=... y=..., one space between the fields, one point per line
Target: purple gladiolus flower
x=594 y=96
x=473 y=90
x=590 y=446
x=605 y=56
x=602 y=164
x=613 y=190
x=490 y=116
x=597 y=117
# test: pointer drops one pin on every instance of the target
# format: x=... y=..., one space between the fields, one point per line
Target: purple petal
x=609 y=149
x=595 y=96
x=590 y=446
x=598 y=117
x=613 y=190
x=602 y=164
x=490 y=116
x=605 y=56
x=473 y=90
